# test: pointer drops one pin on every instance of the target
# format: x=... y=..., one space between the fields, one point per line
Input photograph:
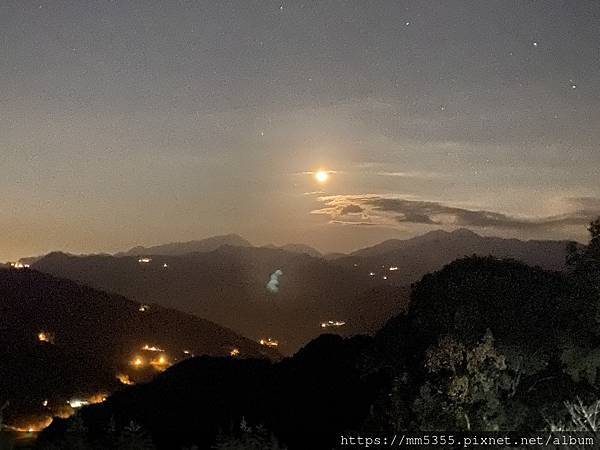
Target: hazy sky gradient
x=143 y=122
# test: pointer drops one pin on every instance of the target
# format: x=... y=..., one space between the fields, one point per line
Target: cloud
x=273 y=284
x=312 y=172
x=384 y=210
x=415 y=174
x=351 y=209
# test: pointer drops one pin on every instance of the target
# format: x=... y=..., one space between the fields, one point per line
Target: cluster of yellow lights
x=138 y=362
x=235 y=352
x=19 y=265
x=124 y=379
x=269 y=342
x=159 y=363
x=332 y=323
x=77 y=403
x=97 y=398
x=33 y=427
x=152 y=348
x=45 y=336
x=145 y=260
x=143 y=308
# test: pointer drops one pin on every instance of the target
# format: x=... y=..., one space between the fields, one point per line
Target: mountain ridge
x=395 y=244
x=229 y=287
x=178 y=248
x=406 y=261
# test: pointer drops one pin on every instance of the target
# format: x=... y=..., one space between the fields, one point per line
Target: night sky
x=143 y=122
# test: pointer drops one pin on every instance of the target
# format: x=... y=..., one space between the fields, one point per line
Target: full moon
x=321 y=176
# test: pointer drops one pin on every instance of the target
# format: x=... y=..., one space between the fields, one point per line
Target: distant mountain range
x=229 y=287
x=210 y=244
x=463 y=242
x=548 y=254
x=228 y=284
x=60 y=340
x=181 y=248
x=406 y=261
x=434 y=246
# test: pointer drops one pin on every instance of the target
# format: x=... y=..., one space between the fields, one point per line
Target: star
x=535 y=43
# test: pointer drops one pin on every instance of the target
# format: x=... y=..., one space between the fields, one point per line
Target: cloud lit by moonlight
x=273 y=284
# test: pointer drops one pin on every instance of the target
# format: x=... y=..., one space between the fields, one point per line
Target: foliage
x=466 y=388
x=586 y=259
x=248 y=438
x=527 y=309
x=578 y=416
x=582 y=364
x=582 y=360
x=131 y=437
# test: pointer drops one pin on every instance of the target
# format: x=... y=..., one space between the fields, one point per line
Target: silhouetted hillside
x=405 y=261
x=60 y=340
x=492 y=344
x=181 y=248
x=526 y=307
x=229 y=286
x=372 y=308
x=334 y=256
x=304 y=400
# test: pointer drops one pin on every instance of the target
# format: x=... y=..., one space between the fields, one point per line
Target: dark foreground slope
x=60 y=340
x=305 y=399
x=229 y=287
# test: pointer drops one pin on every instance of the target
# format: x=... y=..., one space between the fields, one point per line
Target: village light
x=137 y=362
x=269 y=342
